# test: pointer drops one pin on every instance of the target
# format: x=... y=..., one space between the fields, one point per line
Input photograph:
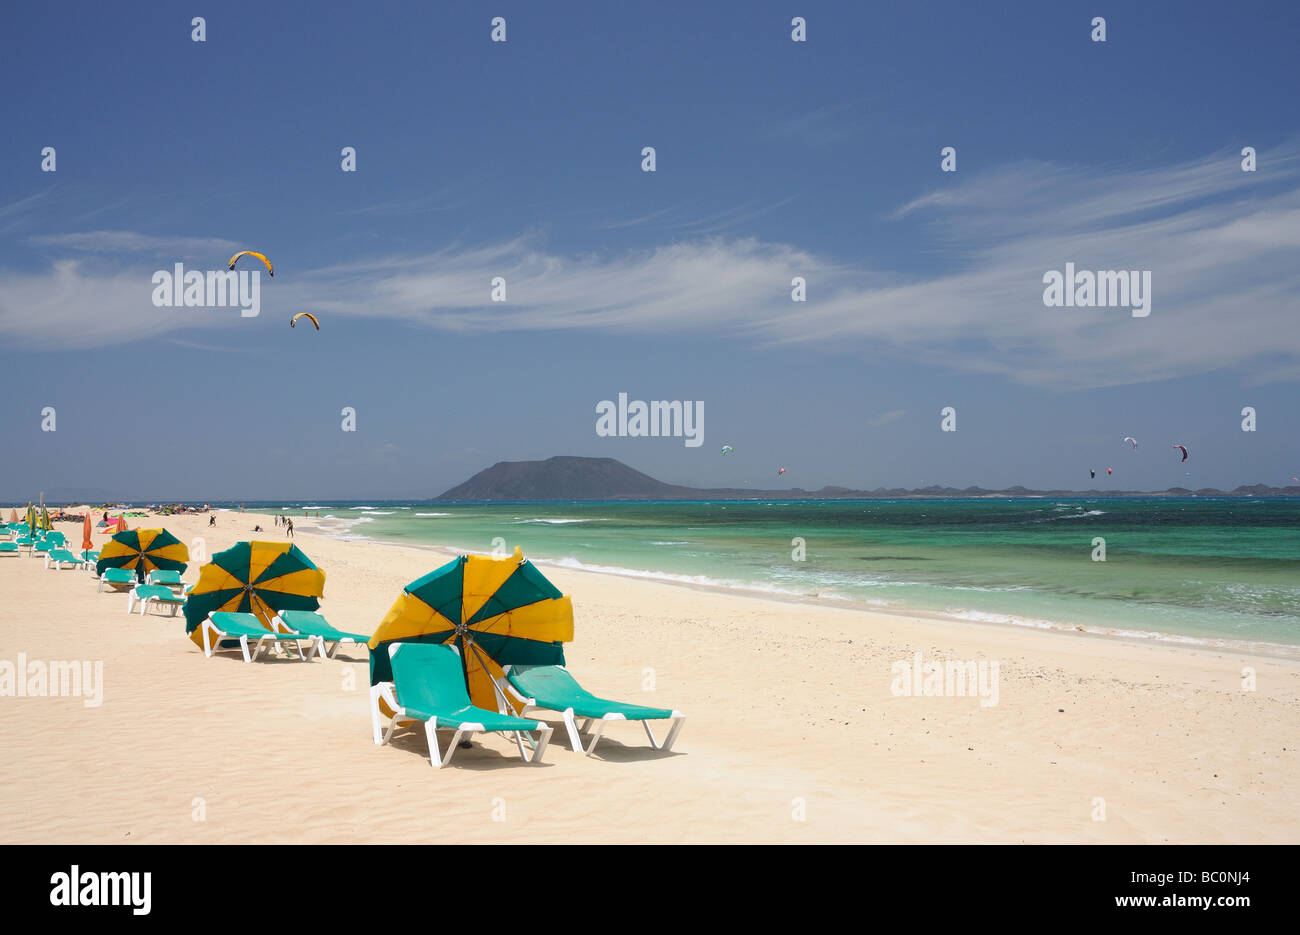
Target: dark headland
x=572 y=478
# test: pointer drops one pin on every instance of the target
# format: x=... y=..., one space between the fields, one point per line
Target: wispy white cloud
x=119 y=242
x=1221 y=245
x=886 y=417
x=830 y=123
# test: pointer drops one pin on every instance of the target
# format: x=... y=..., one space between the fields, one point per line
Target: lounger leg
x=130 y=603
x=243 y=644
x=571 y=725
x=678 y=721
x=543 y=738
x=435 y=754
x=208 y=645
x=375 y=733
x=595 y=736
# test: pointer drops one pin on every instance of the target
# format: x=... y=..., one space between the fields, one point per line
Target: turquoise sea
x=1218 y=569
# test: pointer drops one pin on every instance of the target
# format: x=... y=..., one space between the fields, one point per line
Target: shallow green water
x=1227 y=569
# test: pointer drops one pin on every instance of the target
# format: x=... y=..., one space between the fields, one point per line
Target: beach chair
x=313 y=623
x=9 y=548
x=61 y=557
x=56 y=538
x=552 y=688
x=153 y=593
x=90 y=559
x=429 y=685
x=170 y=579
x=41 y=546
x=118 y=579
x=225 y=625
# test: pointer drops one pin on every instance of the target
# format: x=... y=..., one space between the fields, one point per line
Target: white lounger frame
x=321 y=647
x=386 y=691
x=58 y=565
x=212 y=635
x=571 y=725
x=146 y=601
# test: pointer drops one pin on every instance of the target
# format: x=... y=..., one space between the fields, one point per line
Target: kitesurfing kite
x=727 y=449
x=260 y=256
x=1091 y=472
x=294 y=320
x=780 y=472
x=1108 y=470
x=1132 y=441
x=1183 y=450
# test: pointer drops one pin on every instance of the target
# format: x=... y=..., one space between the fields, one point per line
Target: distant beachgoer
x=257 y=529
x=212 y=521
x=289 y=529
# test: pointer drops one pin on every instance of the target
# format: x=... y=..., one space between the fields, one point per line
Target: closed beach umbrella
x=260 y=578
x=495 y=611
x=13 y=515
x=143 y=551
x=31 y=521
x=86 y=542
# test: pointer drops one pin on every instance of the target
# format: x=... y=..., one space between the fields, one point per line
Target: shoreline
x=1118 y=634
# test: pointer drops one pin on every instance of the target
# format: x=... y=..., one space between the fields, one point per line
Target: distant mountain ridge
x=573 y=478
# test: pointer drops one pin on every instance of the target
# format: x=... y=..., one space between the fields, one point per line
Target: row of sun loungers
x=428 y=683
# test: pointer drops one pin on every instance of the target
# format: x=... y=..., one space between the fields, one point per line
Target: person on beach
x=289 y=529
x=212 y=520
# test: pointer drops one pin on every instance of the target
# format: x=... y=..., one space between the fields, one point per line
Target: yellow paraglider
x=293 y=322
x=260 y=256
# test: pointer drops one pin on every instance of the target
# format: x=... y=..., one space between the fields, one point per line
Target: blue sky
x=522 y=159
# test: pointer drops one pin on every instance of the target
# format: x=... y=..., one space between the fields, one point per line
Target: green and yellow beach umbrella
x=259 y=578
x=495 y=611
x=143 y=551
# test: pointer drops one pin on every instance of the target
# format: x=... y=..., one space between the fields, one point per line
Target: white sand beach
x=792 y=734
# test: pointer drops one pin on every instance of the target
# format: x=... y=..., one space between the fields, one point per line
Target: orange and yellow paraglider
x=294 y=320
x=260 y=256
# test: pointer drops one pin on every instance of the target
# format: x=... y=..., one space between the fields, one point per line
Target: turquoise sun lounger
x=429 y=685
x=61 y=557
x=148 y=594
x=313 y=623
x=118 y=578
x=224 y=625
x=171 y=579
x=552 y=688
